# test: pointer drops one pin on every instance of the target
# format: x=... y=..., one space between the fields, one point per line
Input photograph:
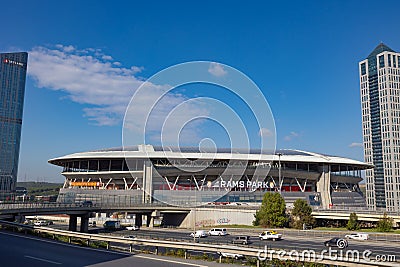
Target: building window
x=381 y=61
x=363 y=69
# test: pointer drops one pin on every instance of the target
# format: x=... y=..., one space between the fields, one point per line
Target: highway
x=291 y=240
x=288 y=242
x=19 y=250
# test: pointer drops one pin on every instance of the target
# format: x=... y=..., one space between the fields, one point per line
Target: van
x=245 y=240
x=357 y=236
x=112 y=225
x=218 y=231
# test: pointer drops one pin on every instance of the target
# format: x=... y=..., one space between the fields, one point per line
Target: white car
x=132 y=228
x=218 y=231
x=41 y=223
x=272 y=235
x=357 y=236
x=199 y=234
x=231 y=255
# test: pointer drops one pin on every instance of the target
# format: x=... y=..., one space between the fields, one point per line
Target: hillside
x=40 y=188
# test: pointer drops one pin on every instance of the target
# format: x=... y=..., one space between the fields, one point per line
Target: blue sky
x=303 y=55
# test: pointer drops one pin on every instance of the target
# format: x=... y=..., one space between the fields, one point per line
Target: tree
x=301 y=214
x=272 y=212
x=385 y=224
x=352 y=224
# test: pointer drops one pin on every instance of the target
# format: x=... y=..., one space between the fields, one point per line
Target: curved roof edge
x=149 y=151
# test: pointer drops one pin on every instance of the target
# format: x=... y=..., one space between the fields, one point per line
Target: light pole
x=194 y=213
x=279 y=172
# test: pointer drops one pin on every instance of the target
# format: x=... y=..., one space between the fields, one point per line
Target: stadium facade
x=380 y=102
x=181 y=177
x=13 y=68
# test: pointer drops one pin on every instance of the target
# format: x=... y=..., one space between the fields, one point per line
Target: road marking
x=40 y=259
x=171 y=261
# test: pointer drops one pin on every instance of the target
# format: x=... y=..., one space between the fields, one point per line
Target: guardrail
x=221 y=250
x=30 y=205
x=341 y=209
x=322 y=234
x=233 y=205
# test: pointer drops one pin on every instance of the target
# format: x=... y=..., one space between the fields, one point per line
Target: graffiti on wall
x=223 y=220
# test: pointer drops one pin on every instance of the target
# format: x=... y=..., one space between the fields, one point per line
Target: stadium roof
x=149 y=151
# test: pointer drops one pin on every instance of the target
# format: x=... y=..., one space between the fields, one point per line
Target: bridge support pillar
x=138 y=219
x=149 y=221
x=72 y=222
x=144 y=220
x=85 y=223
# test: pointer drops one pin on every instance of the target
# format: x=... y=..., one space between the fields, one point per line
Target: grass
x=241 y=226
x=330 y=228
x=369 y=230
x=40 y=188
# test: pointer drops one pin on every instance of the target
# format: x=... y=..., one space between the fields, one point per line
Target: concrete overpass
x=179 y=216
x=17 y=212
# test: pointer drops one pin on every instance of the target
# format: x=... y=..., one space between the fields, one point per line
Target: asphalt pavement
x=20 y=250
x=289 y=242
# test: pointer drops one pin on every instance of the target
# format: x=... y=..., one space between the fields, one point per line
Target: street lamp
x=194 y=212
x=279 y=172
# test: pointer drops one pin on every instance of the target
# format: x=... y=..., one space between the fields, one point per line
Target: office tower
x=12 y=89
x=380 y=96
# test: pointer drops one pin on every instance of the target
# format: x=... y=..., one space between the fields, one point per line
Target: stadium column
x=324 y=186
x=148 y=181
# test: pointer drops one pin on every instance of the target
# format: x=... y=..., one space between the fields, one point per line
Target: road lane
x=17 y=250
x=44 y=260
x=20 y=250
x=289 y=242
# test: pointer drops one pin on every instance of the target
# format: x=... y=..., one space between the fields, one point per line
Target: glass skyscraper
x=380 y=103
x=12 y=90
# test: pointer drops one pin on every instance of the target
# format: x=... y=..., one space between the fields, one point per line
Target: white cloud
x=354 y=144
x=103 y=87
x=291 y=136
x=106 y=57
x=217 y=70
x=86 y=79
x=65 y=48
x=264 y=132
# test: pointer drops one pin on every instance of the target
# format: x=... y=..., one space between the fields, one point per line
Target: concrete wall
x=323 y=186
x=218 y=217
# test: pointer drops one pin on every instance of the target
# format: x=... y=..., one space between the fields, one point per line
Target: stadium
x=190 y=176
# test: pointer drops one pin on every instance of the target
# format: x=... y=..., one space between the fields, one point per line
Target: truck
x=270 y=235
x=112 y=225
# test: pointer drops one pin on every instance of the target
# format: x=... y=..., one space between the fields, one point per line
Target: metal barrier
x=228 y=249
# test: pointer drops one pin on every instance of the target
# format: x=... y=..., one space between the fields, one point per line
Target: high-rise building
x=12 y=90
x=380 y=102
